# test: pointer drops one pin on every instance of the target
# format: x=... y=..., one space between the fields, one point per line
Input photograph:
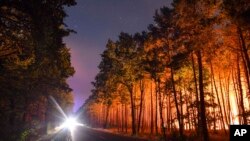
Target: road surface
x=88 y=134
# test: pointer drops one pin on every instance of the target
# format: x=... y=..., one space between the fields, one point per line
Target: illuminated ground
x=88 y=134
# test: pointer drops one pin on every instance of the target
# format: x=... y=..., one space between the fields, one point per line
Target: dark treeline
x=187 y=75
x=34 y=64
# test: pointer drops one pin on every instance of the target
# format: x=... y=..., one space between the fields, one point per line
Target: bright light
x=70 y=123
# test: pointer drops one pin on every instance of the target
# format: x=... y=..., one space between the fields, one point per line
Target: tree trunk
x=143 y=118
x=223 y=101
x=228 y=99
x=181 y=111
x=246 y=59
x=126 y=118
x=122 y=118
x=243 y=114
x=244 y=49
x=141 y=104
x=176 y=105
x=212 y=92
x=217 y=95
x=161 y=114
x=246 y=77
x=106 y=116
x=197 y=97
x=169 y=114
x=132 y=110
x=202 y=99
x=156 y=107
x=152 y=109
x=117 y=118
x=234 y=78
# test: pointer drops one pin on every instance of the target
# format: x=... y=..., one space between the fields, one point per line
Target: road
x=88 y=134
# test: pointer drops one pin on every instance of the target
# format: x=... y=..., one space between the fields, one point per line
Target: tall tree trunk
x=228 y=98
x=169 y=114
x=156 y=107
x=217 y=95
x=176 y=105
x=243 y=114
x=141 y=104
x=143 y=118
x=181 y=106
x=161 y=110
x=234 y=78
x=197 y=97
x=122 y=118
x=212 y=92
x=202 y=99
x=117 y=118
x=106 y=116
x=126 y=118
x=132 y=110
x=246 y=77
x=194 y=124
x=223 y=101
x=246 y=60
x=152 y=110
x=244 y=49
x=187 y=102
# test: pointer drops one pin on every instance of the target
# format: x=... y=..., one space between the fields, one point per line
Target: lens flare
x=70 y=123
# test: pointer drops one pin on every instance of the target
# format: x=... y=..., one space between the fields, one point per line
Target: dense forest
x=34 y=65
x=186 y=75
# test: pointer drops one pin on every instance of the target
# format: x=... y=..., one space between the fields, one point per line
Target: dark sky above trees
x=95 y=21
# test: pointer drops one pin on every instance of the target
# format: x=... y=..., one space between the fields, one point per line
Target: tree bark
x=161 y=114
x=176 y=105
x=197 y=97
x=218 y=100
x=156 y=107
x=202 y=99
x=132 y=110
x=152 y=110
x=244 y=49
x=141 y=104
x=122 y=126
x=106 y=116
x=126 y=119
x=243 y=114
x=223 y=100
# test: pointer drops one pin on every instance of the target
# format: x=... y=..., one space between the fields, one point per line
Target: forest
x=185 y=77
x=34 y=65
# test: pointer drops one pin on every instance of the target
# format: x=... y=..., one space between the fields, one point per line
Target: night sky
x=96 y=21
